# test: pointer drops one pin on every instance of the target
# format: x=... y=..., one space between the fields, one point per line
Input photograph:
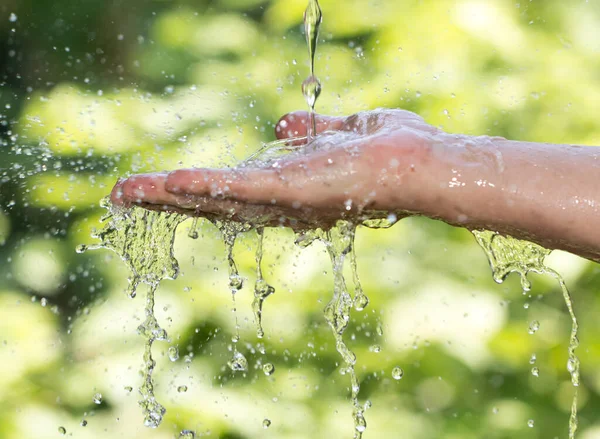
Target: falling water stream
x=144 y=240
x=509 y=255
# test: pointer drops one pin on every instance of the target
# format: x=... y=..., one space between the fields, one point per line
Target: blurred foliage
x=92 y=91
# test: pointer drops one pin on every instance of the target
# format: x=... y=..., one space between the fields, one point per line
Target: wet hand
x=378 y=161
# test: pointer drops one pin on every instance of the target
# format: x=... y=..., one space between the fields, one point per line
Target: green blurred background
x=97 y=89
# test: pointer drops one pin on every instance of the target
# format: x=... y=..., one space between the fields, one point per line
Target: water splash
x=149 y=256
x=150 y=259
x=509 y=255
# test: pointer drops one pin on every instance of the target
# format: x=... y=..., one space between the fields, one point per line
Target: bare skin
x=393 y=161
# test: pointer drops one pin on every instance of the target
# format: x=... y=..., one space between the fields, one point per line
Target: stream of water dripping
x=339 y=242
x=144 y=241
x=230 y=230
x=262 y=289
x=509 y=255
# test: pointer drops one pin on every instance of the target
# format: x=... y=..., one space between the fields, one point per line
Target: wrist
x=464 y=181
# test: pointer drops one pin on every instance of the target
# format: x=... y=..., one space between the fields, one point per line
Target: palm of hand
x=358 y=165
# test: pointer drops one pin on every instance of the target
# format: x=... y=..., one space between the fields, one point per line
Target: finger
x=150 y=189
x=312 y=181
x=294 y=124
x=116 y=195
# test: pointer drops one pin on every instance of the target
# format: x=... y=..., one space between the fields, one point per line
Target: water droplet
x=311 y=89
x=530 y=423
x=97 y=398
x=534 y=326
x=268 y=369
x=397 y=373
x=375 y=348
x=81 y=248
x=535 y=371
x=62 y=430
x=128 y=389
x=182 y=389
x=533 y=359
x=187 y=434
x=173 y=353
x=238 y=363
x=266 y=423
x=13 y=17
x=379 y=329
x=361 y=301
x=83 y=423
x=360 y=424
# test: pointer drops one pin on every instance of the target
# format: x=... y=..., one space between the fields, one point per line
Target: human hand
x=367 y=164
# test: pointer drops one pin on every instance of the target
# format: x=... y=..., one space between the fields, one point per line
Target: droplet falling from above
x=311 y=90
x=311 y=87
x=313 y=17
x=97 y=398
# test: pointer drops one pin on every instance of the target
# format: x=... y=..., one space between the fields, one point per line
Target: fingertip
x=116 y=195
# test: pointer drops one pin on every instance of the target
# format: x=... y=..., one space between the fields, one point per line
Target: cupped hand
x=358 y=166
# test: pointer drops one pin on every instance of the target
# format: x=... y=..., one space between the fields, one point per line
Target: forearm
x=548 y=194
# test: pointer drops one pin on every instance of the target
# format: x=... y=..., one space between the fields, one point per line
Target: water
x=144 y=241
x=509 y=255
x=262 y=289
x=397 y=373
x=268 y=369
x=339 y=241
x=151 y=331
x=149 y=256
x=311 y=87
x=230 y=231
